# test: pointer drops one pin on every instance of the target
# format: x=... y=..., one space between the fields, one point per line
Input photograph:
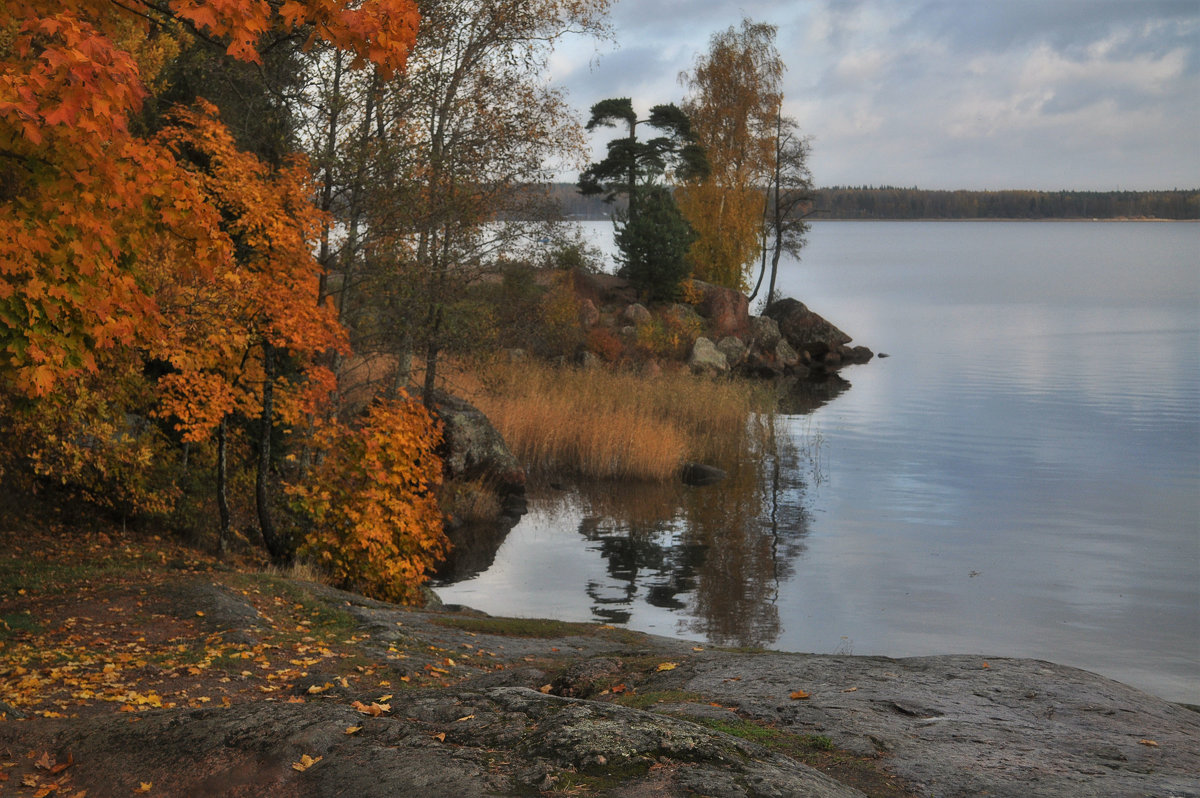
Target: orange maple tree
x=116 y=246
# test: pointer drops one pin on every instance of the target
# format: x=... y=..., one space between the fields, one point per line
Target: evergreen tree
x=654 y=244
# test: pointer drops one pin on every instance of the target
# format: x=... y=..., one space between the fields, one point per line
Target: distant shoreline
x=955 y=219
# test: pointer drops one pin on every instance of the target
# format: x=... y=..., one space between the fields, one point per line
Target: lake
x=1020 y=477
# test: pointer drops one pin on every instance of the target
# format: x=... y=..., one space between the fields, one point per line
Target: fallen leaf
x=850 y=690
x=1150 y=743
x=383 y=698
x=306 y=762
x=314 y=689
x=799 y=695
x=144 y=786
x=374 y=710
x=353 y=729
x=464 y=717
x=667 y=666
x=199 y=614
x=697 y=648
x=546 y=688
x=440 y=736
x=986 y=665
x=45 y=763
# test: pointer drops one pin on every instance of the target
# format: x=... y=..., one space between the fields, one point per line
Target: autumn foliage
x=376 y=520
x=159 y=285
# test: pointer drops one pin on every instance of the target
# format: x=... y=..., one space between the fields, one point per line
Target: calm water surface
x=1021 y=477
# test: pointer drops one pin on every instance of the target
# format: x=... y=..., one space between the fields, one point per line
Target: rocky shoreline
x=546 y=708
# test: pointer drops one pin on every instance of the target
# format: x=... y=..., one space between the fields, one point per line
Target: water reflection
x=714 y=555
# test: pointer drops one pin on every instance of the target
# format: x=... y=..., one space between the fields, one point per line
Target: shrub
x=376 y=526
x=604 y=343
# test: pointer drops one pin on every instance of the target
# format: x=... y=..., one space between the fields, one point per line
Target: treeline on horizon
x=888 y=202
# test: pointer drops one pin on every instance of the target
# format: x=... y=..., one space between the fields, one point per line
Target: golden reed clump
x=605 y=424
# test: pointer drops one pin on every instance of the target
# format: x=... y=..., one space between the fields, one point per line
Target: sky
x=941 y=94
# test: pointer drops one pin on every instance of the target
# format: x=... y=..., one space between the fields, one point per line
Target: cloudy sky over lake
x=1045 y=94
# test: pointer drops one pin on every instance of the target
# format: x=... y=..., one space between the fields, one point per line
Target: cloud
x=1018 y=94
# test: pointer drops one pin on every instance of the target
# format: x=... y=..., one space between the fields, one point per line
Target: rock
x=699 y=475
x=637 y=315
x=785 y=355
x=472 y=448
x=516 y=355
x=682 y=315
x=727 y=310
x=804 y=330
x=857 y=354
x=589 y=314
x=733 y=349
x=706 y=358
x=590 y=360
x=764 y=332
x=588 y=677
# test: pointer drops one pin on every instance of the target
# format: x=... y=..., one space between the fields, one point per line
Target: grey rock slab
x=953 y=726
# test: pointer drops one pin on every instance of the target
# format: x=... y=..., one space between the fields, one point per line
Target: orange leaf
x=306 y=762
x=799 y=695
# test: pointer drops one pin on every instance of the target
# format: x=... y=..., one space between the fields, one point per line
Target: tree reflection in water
x=716 y=554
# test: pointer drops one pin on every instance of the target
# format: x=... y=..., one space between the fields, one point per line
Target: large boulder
x=472 y=448
x=804 y=330
x=706 y=358
x=733 y=349
x=727 y=311
x=636 y=314
x=764 y=332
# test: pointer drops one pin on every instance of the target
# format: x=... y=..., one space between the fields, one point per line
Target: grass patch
x=650 y=698
x=537 y=628
x=38 y=576
x=605 y=424
x=18 y=623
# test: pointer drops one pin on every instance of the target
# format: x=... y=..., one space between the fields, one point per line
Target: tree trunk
x=276 y=546
x=223 y=487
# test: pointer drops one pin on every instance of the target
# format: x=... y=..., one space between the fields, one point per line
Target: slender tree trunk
x=274 y=543
x=324 y=255
x=223 y=487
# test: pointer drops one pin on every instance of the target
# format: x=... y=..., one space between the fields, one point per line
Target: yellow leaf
x=667 y=666
x=199 y=614
x=144 y=786
x=799 y=695
x=1150 y=743
x=306 y=762
x=546 y=688
x=353 y=729
x=464 y=717
x=850 y=690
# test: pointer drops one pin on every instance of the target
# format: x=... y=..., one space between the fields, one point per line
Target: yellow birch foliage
x=376 y=523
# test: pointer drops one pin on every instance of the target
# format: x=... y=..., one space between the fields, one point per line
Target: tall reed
x=607 y=424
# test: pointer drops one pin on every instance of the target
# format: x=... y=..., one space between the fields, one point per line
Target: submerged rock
x=698 y=474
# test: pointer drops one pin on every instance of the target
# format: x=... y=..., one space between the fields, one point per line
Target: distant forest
x=887 y=202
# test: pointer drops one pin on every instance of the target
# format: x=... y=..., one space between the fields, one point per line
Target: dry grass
x=607 y=424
